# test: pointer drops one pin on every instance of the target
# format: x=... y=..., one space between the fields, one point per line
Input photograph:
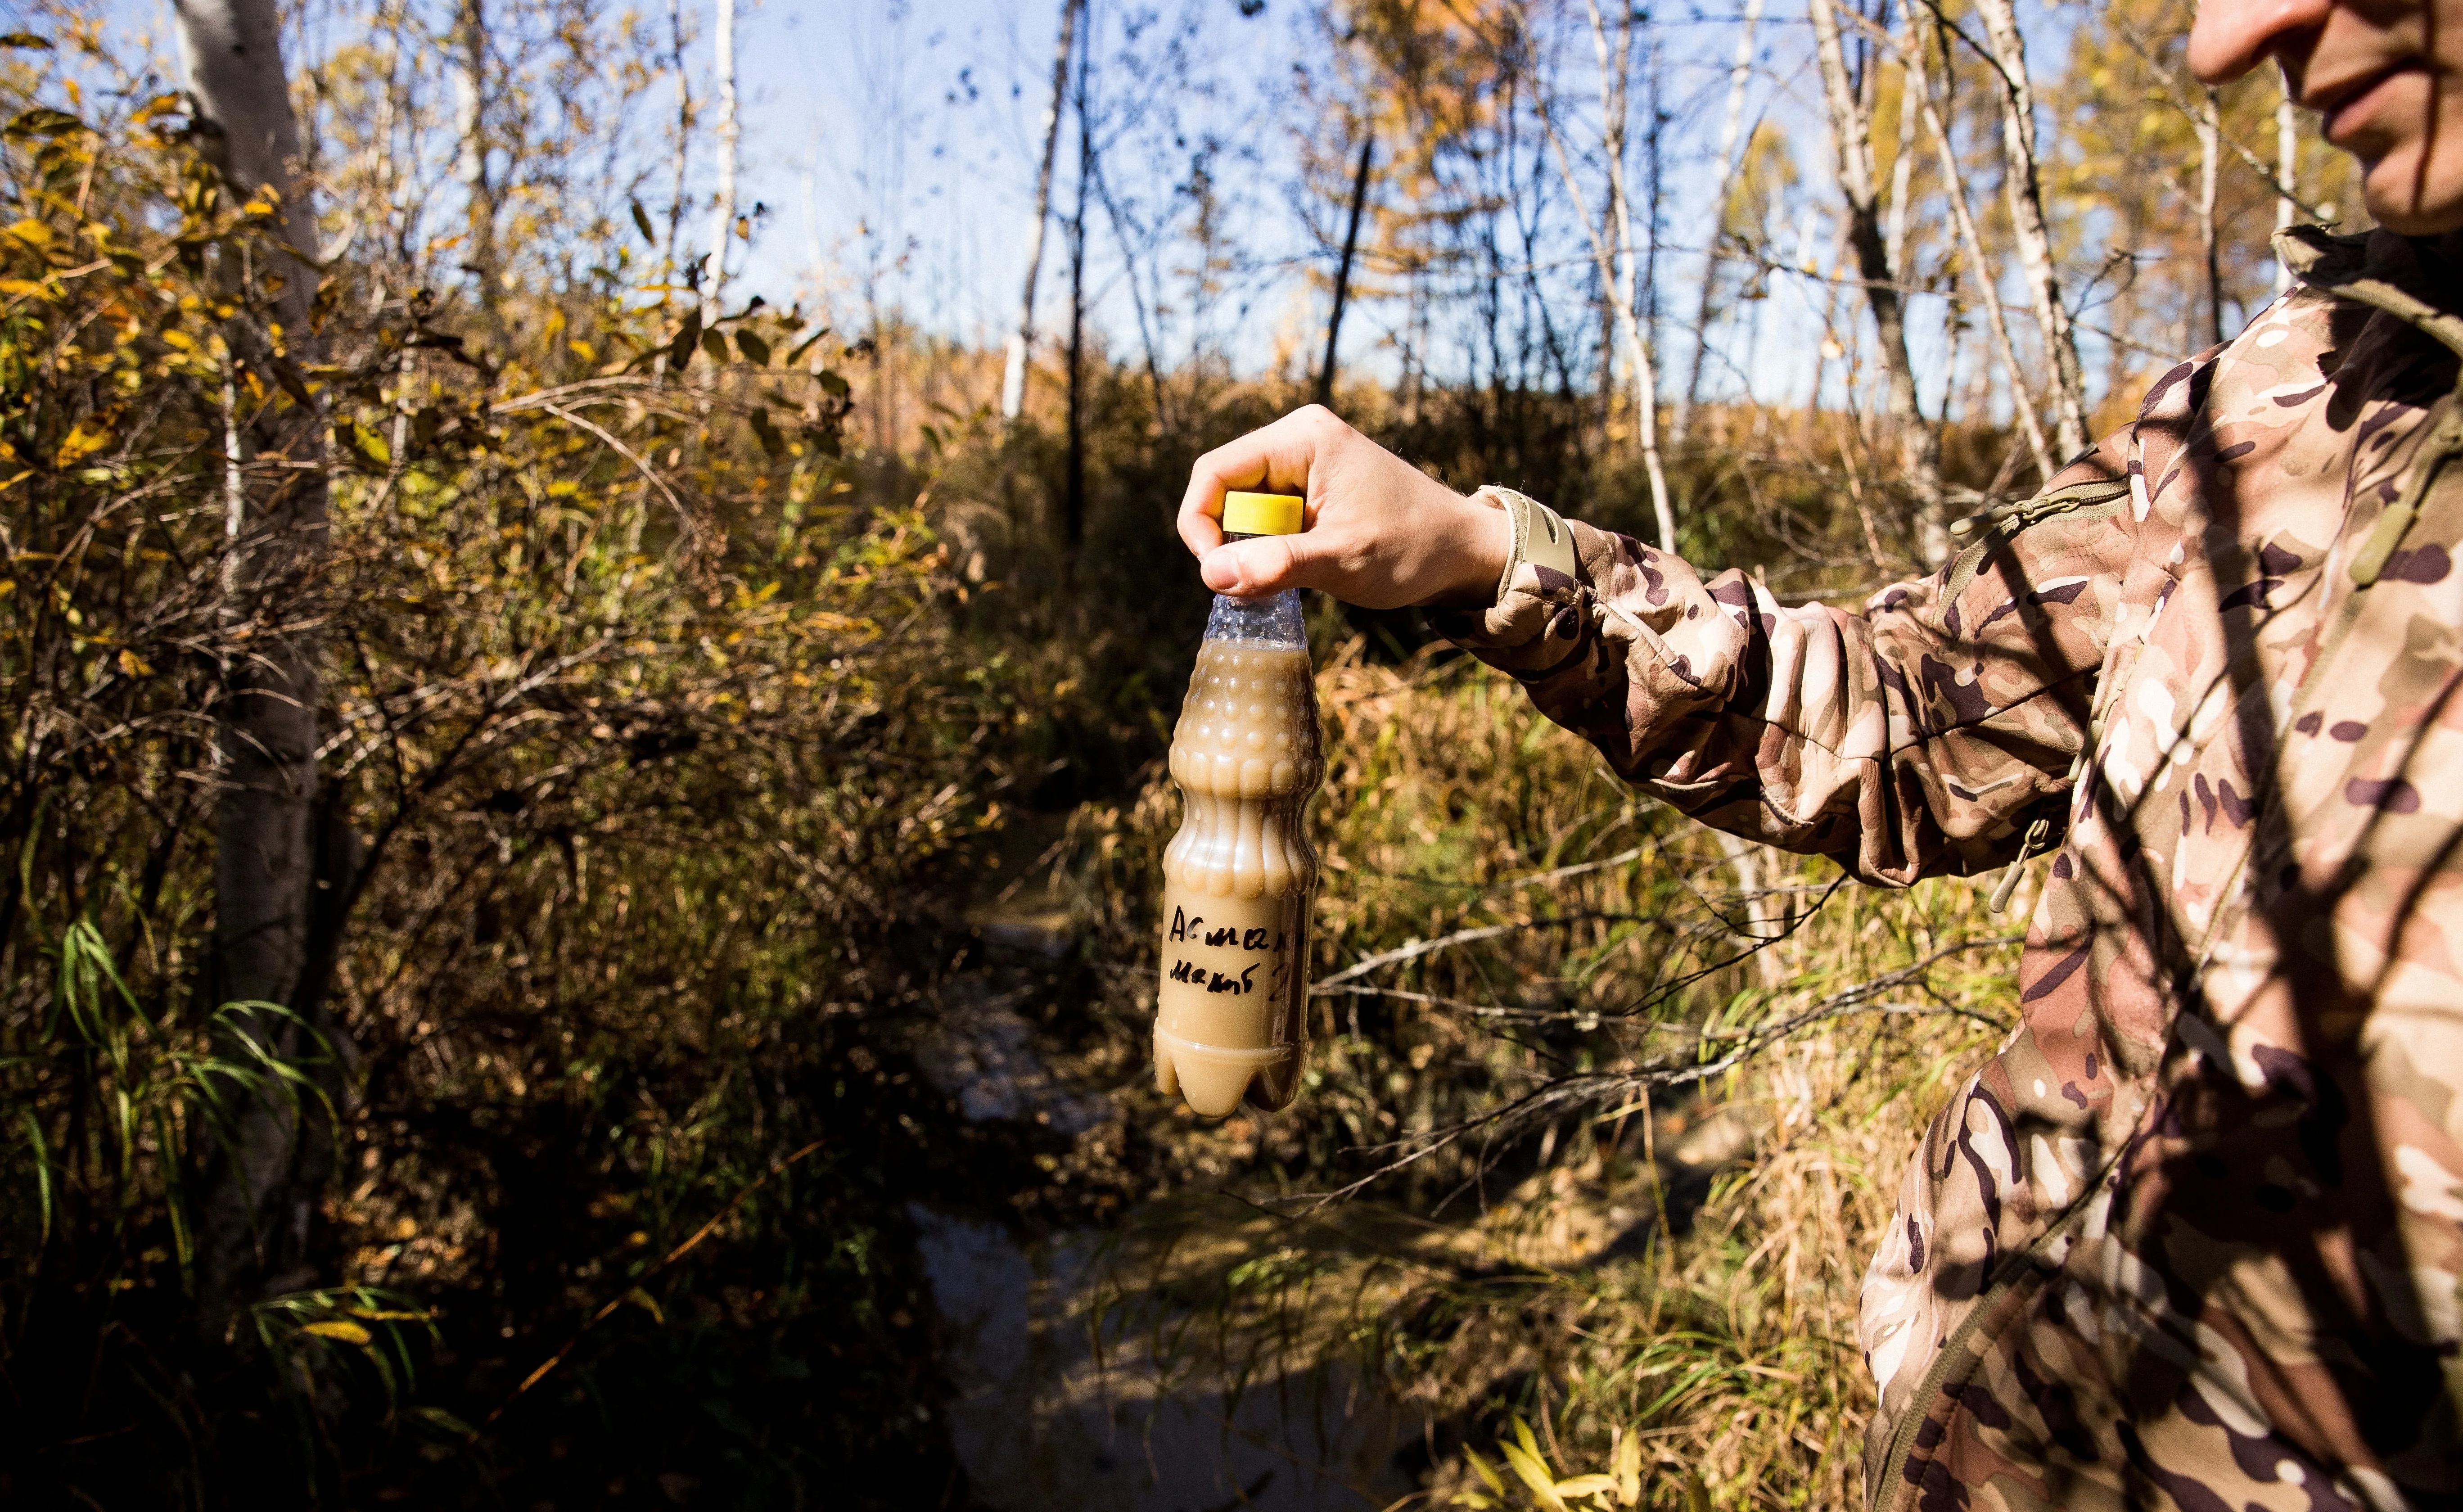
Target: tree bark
x=479 y=189
x=1851 y=150
x=2210 y=124
x=2024 y=193
x=1731 y=123
x=722 y=221
x=1972 y=242
x=1343 y=269
x=2287 y=174
x=1614 y=252
x=1073 y=511
x=260 y=1188
x=684 y=130
x=1021 y=341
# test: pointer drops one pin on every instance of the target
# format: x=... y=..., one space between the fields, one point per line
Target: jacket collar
x=2413 y=279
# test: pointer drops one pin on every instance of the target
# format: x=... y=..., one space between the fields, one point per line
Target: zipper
x=2093 y=499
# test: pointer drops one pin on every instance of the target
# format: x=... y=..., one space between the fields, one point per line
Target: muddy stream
x=1042 y=1418
x=1062 y=1401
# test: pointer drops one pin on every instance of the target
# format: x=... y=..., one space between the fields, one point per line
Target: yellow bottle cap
x=1261 y=513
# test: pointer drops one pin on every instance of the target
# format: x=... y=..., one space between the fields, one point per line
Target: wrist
x=1477 y=554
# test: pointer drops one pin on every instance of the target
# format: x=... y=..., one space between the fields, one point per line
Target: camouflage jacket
x=2194 y=1237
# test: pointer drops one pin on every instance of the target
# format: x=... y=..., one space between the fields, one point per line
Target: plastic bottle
x=1230 y=1014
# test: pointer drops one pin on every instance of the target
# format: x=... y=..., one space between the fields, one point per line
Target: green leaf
x=42 y=1167
x=680 y=351
x=805 y=345
x=771 y=442
x=755 y=350
x=716 y=345
x=642 y=219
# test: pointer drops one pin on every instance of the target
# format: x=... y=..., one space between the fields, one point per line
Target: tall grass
x=1665 y=1257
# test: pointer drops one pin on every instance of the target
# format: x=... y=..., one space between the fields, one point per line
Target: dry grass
x=1678 y=1263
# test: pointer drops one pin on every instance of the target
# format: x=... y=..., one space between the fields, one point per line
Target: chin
x=2401 y=202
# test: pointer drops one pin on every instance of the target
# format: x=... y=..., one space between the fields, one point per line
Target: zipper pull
x=2036 y=833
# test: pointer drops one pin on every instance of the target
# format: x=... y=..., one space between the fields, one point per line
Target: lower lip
x=2352 y=114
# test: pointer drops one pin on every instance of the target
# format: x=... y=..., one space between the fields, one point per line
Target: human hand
x=1376 y=531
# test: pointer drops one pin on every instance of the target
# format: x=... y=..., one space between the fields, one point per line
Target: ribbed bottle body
x=1238 y=876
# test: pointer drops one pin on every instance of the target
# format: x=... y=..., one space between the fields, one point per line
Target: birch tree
x=1971 y=241
x=2208 y=118
x=722 y=221
x=253 y=1220
x=1022 y=339
x=2023 y=191
x=1851 y=152
x=1730 y=154
x=2287 y=173
x=1613 y=250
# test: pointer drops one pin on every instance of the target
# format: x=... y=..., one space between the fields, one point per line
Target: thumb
x=1249 y=569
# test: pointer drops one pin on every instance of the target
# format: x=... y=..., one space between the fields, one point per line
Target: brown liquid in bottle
x=1237 y=880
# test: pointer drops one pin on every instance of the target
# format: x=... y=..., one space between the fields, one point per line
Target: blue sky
x=894 y=143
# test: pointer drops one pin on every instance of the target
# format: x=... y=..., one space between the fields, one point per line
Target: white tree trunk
x=261 y=1188
x=722 y=221
x=1021 y=341
x=1851 y=151
x=2209 y=119
x=1617 y=265
x=1731 y=123
x=2026 y=200
x=2287 y=174
x=683 y=131
x=1972 y=242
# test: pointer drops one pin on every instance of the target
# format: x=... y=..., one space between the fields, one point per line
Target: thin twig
x=548 y=1365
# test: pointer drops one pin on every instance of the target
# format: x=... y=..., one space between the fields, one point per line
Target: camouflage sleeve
x=1919 y=736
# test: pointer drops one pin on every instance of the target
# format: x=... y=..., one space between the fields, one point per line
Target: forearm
x=1917 y=737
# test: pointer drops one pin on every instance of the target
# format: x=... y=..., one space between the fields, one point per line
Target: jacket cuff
x=1541 y=583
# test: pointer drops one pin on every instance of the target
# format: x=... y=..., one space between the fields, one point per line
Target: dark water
x=1041 y=1418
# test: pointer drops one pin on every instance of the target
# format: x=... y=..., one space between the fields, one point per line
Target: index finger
x=1275 y=458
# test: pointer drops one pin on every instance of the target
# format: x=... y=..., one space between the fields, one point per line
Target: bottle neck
x=1274 y=620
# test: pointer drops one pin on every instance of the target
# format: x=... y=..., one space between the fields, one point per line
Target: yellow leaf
x=1697 y=1496
x=1628 y=1468
x=647 y=1302
x=1529 y=1441
x=24 y=288
x=88 y=438
x=1486 y=1473
x=338 y=1328
x=134 y=664
x=1591 y=1485
x=583 y=350
x=180 y=340
x=31 y=232
x=1535 y=1475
